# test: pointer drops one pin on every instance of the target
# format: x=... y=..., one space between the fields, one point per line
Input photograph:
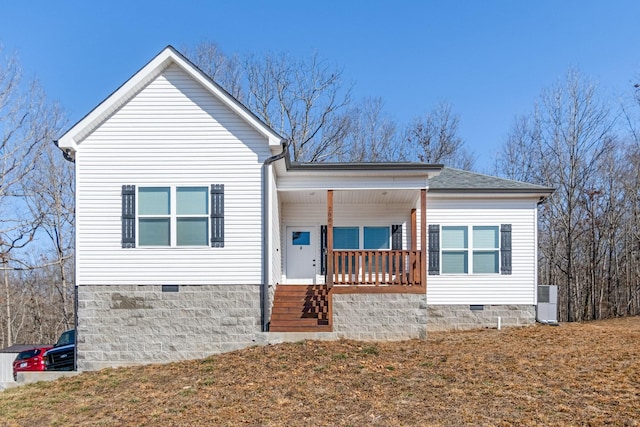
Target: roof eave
x=429 y=170
x=542 y=193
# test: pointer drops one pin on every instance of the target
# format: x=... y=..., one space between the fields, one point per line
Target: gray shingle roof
x=456 y=180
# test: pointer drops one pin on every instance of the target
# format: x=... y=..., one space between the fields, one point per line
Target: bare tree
x=223 y=69
x=304 y=100
x=371 y=136
x=564 y=144
x=49 y=194
x=516 y=160
x=433 y=138
x=24 y=129
x=301 y=99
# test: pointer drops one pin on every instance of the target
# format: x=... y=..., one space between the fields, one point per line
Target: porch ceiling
x=358 y=197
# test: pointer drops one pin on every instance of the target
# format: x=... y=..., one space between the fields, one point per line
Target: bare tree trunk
x=7 y=295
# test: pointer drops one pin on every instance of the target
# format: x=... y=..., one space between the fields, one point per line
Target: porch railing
x=398 y=267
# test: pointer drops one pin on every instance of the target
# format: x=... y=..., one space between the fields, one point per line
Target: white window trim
x=173 y=216
x=470 y=249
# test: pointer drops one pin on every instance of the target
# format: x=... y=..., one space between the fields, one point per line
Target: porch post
x=423 y=237
x=414 y=231
x=329 y=238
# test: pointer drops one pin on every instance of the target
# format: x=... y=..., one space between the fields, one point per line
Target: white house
x=197 y=235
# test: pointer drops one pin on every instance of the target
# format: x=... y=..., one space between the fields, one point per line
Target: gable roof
x=453 y=180
x=168 y=56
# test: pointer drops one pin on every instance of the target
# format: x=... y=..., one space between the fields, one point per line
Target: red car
x=29 y=360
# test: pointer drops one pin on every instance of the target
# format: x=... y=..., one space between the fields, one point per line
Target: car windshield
x=67 y=338
x=27 y=354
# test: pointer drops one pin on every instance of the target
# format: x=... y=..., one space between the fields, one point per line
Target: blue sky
x=490 y=59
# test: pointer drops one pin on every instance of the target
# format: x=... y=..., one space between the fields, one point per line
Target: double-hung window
x=173 y=216
x=455 y=250
x=154 y=216
x=486 y=249
x=474 y=249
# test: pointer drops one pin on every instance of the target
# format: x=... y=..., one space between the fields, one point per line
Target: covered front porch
x=355 y=241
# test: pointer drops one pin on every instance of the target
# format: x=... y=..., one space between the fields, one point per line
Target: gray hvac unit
x=547 y=310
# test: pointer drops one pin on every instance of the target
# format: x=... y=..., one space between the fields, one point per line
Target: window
x=173 y=216
x=376 y=238
x=301 y=238
x=373 y=238
x=192 y=220
x=455 y=250
x=154 y=216
x=477 y=252
x=486 y=250
x=346 y=238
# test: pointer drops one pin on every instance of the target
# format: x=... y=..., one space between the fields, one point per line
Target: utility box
x=547 y=309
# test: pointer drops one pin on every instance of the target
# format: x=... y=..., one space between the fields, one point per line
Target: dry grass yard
x=574 y=374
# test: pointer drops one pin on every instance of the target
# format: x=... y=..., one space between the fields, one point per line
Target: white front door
x=301 y=255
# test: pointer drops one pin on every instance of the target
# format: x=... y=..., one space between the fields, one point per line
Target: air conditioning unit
x=547 y=309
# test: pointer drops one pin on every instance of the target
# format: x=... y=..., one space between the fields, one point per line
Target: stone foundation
x=380 y=316
x=125 y=325
x=462 y=317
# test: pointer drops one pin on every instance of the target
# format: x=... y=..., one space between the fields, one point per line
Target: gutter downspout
x=66 y=154
x=266 y=234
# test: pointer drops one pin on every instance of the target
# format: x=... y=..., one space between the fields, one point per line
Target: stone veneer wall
x=461 y=317
x=125 y=325
x=380 y=316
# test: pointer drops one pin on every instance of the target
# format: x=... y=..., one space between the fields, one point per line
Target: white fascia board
x=491 y=195
x=75 y=135
x=355 y=173
x=352 y=182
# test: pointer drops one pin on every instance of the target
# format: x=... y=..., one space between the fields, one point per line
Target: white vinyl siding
x=274 y=215
x=515 y=288
x=173 y=133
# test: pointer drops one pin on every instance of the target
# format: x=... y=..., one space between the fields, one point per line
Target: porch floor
x=301 y=308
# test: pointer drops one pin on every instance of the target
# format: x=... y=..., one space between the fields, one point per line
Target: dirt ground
x=573 y=374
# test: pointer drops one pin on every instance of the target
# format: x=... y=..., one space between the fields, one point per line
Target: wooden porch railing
x=399 y=267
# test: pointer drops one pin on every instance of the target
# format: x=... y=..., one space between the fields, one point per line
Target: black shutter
x=396 y=244
x=434 y=249
x=323 y=249
x=505 y=249
x=396 y=237
x=217 y=215
x=128 y=216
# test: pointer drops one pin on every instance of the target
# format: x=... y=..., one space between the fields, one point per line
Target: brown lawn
x=574 y=374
